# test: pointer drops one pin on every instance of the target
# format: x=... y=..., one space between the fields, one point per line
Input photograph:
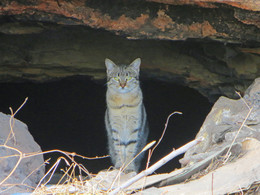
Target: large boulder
x=18 y=173
x=229 y=123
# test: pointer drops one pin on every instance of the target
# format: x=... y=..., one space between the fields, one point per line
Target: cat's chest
x=124 y=100
x=125 y=119
x=125 y=113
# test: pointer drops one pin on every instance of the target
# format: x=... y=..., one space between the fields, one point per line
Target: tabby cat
x=125 y=117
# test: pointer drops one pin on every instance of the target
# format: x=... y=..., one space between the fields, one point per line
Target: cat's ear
x=136 y=64
x=110 y=65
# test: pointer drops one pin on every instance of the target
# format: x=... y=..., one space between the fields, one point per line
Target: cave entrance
x=69 y=115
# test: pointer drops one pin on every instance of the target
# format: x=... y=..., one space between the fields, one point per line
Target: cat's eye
x=116 y=78
x=129 y=78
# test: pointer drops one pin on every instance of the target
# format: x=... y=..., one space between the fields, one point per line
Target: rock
x=18 y=143
x=159 y=19
x=211 y=68
x=109 y=179
x=228 y=120
x=230 y=178
x=252 y=94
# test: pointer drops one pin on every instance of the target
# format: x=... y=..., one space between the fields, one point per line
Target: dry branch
x=242 y=125
x=157 y=165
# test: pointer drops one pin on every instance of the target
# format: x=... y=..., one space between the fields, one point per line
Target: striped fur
x=125 y=117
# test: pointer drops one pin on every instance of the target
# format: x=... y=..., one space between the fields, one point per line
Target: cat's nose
x=123 y=85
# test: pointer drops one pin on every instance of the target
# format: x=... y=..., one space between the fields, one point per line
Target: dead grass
x=215 y=164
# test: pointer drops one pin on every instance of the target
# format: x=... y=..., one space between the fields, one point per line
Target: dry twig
x=241 y=126
x=159 y=141
x=157 y=165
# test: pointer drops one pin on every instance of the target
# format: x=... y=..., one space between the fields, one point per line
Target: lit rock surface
x=223 y=122
x=30 y=170
x=230 y=178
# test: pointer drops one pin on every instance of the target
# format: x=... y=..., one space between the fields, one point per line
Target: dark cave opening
x=69 y=115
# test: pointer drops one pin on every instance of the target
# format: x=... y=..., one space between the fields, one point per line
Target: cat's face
x=123 y=78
